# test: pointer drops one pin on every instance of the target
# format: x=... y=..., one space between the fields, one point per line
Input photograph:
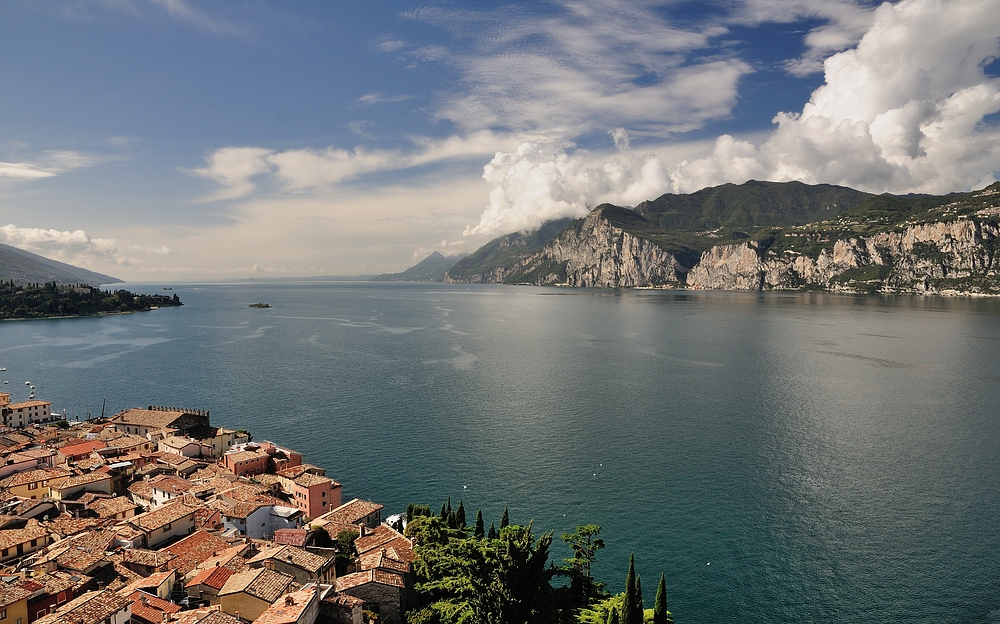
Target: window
x=32 y=486
x=166 y=527
x=3 y=612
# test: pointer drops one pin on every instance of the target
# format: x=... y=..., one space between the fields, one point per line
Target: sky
x=174 y=140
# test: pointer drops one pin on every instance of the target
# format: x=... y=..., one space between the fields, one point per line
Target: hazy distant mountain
x=430 y=269
x=28 y=268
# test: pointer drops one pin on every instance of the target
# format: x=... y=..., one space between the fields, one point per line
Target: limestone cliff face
x=598 y=254
x=904 y=261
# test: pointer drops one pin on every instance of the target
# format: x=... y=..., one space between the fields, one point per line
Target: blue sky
x=170 y=140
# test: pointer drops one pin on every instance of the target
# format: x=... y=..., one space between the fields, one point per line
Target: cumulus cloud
x=71 y=247
x=901 y=112
x=541 y=181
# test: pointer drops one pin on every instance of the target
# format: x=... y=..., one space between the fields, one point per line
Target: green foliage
x=50 y=299
x=584 y=543
x=494 y=581
x=346 y=551
x=480 y=531
x=504 y=519
x=62 y=424
x=506 y=251
x=460 y=515
x=630 y=613
x=661 y=615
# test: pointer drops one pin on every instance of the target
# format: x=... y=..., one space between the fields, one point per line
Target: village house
x=75 y=452
x=304 y=566
x=164 y=524
x=113 y=508
x=149 y=609
x=301 y=607
x=15 y=543
x=194 y=549
x=248 y=594
x=206 y=584
x=383 y=592
x=51 y=590
x=246 y=461
x=96 y=607
x=24 y=413
x=184 y=446
x=259 y=520
x=140 y=422
x=34 y=483
x=353 y=513
x=90 y=482
x=13 y=603
x=159 y=584
x=28 y=459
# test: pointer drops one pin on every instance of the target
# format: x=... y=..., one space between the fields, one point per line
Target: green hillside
x=505 y=251
x=23 y=267
x=430 y=269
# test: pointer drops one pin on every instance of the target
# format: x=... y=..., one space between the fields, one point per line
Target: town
x=154 y=515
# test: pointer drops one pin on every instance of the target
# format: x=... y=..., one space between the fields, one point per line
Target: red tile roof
x=194 y=549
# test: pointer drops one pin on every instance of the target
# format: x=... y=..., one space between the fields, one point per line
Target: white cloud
x=235 y=169
x=542 y=181
x=378 y=98
x=23 y=171
x=75 y=247
x=901 y=112
x=589 y=65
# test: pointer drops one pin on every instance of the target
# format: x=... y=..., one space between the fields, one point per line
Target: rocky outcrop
x=596 y=253
x=911 y=260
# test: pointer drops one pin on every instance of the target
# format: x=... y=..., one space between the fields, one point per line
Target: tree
x=630 y=615
x=584 y=544
x=504 y=519
x=460 y=515
x=638 y=596
x=493 y=532
x=613 y=616
x=321 y=538
x=660 y=613
x=346 y=550
x=480 y=531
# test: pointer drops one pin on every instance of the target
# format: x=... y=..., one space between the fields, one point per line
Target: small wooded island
x=23 y=301
x=259 y=305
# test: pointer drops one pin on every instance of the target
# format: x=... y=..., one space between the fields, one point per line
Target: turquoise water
x=783 y=458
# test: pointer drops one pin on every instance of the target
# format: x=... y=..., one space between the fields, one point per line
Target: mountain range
x=759 y=236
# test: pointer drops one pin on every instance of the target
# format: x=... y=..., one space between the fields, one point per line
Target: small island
x=49 y=300
x=259 y=305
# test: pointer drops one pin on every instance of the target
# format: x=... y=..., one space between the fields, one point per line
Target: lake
x=782 y=457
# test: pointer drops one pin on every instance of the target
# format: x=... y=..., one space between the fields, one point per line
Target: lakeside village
x=156 y=516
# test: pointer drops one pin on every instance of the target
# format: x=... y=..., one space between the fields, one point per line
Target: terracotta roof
x=231 y=558
x=382 y=577
x=58 y=580
x=72 y=526
x=35 y=403
x=11 y=593
x=90 y=608
x=110 y=507
x=308 y=479
x=178 y=442
x=156 y=518
x=385 y=536
x=81 y=448
x=84 y=479
x=147 y=418
x=12 y=537
x=170 y=484
x=150 y=608
x=142 y=489
x=297 y=557
x=386 y=558
x=213 y=577
x=194 y=549
x=351 y=512
x=292 y=537
x=295 y=471
x=147 y=558
x=34 y=476
x=205 y=616
x=289 y=609
x=153 y=580
x=239 y=456
x=266 y=585
x=39 y=453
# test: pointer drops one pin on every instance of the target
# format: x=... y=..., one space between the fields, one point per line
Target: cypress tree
x=638 y=595
x=613 y=616
x=460 y=515
x=444 y=512
x=660 y=613
x=480 y=532
x=504 y=519
x=493 y=531
x=629 y=615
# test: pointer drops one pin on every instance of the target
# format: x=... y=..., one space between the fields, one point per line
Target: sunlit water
x=783 y=458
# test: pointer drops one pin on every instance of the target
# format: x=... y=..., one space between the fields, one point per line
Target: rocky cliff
x=928 y=257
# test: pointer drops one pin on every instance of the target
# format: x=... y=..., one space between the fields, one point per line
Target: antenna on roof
x=103 y=405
